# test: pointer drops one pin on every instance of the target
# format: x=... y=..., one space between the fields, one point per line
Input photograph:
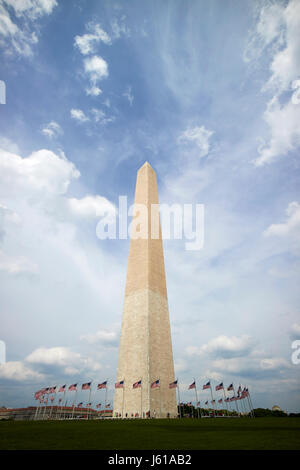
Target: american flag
x=73 y=387
x=155 y=384
x=219 y=387
x=62 y=388
x=207 y=385
x=173 y=384
x=38 y=394
x=221 y=400
x=99 y=405
x=137 y=384
x=86 y=386
x=193 y=385
x=230 y=387
x=119 y=384
x=102 y=385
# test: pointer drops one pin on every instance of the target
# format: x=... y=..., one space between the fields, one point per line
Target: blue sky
x=208 y=93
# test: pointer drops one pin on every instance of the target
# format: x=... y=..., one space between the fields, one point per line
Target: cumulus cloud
x=93 y=90
x=20 y=37
x=52 y=130
x=78 y=115
x=43 y=170
x=17 y=371
x=87 y=42
x=91 y=206
x=198 y=135
x=283 y=121
x=17 y=264
x=277 y=31
x=104 y=337
x=224 y=346
x=291 y=227
x=295 y=331
x=64 y=358
x=96 y=68
x=255 y=367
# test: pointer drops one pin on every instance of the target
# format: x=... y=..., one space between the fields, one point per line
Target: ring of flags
x=41 y=394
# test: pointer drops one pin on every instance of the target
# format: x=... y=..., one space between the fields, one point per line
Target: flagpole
x=212 y=399
x=88 y=416
x=74 y=402
x=45 y=406
x=179 y=398
x=225 y=399
x=105 y=394
x=237 y=408
x=62 y=401
x=123 y=399
x=196 y=398
x=159 y=398
x=141 y=398
x=252 y=409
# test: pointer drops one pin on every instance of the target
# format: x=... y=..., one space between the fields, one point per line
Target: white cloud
x=224 y=346
x=283 y=121
x=91 y=206
x=295 y=331
x=128 y=94
x=59 y=356
x=16 y=264
x=290 y=227
x=20 y=38
x=119 y=27
x=274 y=363
x=268 y=28
x=101 y=117
x=96 y=68
x=285 y=66
x=105 y=337
x=8 y=145
x=43 y=170
x=87 y=42
x=15 y=370
x=93 y=90
x=78 y=115
x=52 y=129
x=71 y=362
x=277 y=32
x=32 y=8
x=200 y=136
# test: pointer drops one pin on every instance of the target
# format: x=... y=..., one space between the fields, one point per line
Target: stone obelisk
x=145 y=352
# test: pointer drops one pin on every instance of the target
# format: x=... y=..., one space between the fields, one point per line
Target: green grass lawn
x=258 y=433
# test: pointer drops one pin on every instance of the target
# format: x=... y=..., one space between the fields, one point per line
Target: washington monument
x=145 y=353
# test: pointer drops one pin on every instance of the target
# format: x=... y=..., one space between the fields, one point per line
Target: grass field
x=259 y=433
